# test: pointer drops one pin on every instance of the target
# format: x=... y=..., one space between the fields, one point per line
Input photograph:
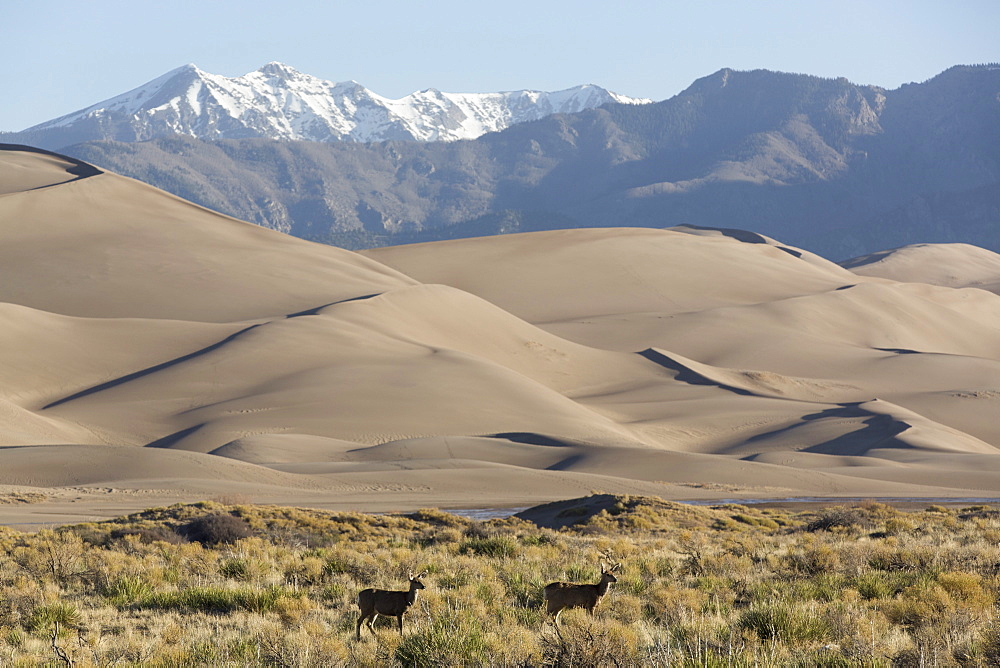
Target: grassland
x=213 y=584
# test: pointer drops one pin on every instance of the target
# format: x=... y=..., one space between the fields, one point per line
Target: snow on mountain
x=280 y=102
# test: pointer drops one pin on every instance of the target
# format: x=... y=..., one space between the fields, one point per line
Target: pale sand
x=950 y=265
x=155 y=352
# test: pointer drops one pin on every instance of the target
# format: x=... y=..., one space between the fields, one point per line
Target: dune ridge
x=954 y=265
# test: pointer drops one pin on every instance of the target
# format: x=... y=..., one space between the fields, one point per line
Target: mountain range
x=279 y=102
x=838 y=168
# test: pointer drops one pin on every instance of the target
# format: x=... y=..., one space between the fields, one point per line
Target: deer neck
x=411 y=596
x=603 y=587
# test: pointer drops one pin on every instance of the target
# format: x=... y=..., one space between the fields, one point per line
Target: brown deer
x=562 y=595
x=375 y=602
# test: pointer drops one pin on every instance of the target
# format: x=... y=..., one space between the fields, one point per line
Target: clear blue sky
x=62 y=55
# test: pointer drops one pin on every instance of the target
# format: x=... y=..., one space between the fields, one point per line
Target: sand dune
x=333 y=372
x=108 y=246
x=90 y=465
x=572 y=274
x=948 y=265
x=30 y=169
x=154 y=351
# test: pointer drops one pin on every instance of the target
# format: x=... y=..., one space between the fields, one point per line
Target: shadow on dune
x=879 y=431
x=79 y=169
x=316 y=310
x=148 y=370
x=686 y=374
x=743 y=236
x=171 y=439
x=529 y=438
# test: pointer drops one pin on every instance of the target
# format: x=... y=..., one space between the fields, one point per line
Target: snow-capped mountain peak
x=279 y=102
x=274 y=68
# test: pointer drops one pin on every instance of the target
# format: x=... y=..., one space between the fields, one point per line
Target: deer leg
x=361 y=620
x=399 y=621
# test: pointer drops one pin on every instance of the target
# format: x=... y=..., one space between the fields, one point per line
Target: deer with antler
x=562 y=595
x=375 y=602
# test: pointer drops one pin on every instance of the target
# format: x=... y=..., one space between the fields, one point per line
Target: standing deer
x=562 y=595
x=375 y=602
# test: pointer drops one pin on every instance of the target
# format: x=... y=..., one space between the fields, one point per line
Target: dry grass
x=19 y=498
x=864 y=585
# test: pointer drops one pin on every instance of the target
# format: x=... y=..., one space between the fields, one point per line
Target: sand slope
x=571 y=274
x=948 y=265
x=108 y=246
x=155 y=351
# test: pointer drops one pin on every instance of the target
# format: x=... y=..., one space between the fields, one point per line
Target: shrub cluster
x=207 y=584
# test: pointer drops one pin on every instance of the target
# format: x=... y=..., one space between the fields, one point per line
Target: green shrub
x=581 y=573
x=537 y=539
x=44 y=618
x=127 y=590
x=498 y=547
x=826 y=587
x=875 y=586
x=524 y=590
x=235 y=568
x=782 y=622
x=215 y=599
x=13 y=637
x=448 y=641
x=455 y=579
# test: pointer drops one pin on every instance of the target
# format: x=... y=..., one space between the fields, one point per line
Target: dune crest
x=949 y=265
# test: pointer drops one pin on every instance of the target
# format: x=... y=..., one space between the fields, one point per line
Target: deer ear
x=422 y=575
x=410 y=575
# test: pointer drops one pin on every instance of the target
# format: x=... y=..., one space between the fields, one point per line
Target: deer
x=375 y=602
x=562 y=595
